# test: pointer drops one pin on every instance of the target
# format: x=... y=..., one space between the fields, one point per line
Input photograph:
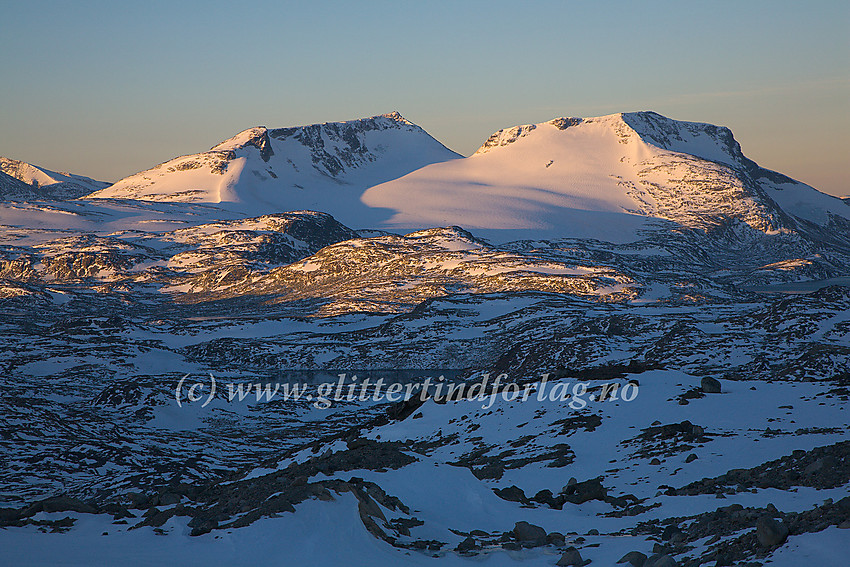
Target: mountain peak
x=323 y=166
x=257 y=137
x=605 y=178
x=707 y=141
x=395 y=116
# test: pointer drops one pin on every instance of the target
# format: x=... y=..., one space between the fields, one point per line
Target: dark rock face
x=261 y=142
x=564 y=123
x=822 y=465
x=506 y=136
x=201 y=526
x=545 y=497
x=710 y=385
x=351 y=150
x=771 y=532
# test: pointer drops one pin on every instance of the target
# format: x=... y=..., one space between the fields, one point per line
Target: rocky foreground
x=733 y=450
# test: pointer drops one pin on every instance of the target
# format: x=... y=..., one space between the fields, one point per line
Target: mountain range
x=628 y=249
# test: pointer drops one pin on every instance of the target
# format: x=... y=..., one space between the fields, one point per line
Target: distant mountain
x=605 y=178
x=40 y=183
x=324 y=167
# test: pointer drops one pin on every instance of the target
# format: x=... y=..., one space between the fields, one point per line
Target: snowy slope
x=321 y=167
x=46 y=184
x=603 y=178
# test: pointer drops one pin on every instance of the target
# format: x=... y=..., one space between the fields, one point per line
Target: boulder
x=581 y=492
x=710 y=385
x=511 y=494
x=633 y=558
x=201 y=526
x=167 y=499
x=673 y=534
x=770 y=531
x=556 y=538
x=467 y=545
x=544 y=497
x=367 y=506
x=571 y=556
x=529 y=533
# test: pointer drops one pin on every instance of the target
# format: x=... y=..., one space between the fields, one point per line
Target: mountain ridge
x=44 y=183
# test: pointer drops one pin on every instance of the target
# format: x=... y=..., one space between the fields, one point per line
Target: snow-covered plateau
x=630 y=253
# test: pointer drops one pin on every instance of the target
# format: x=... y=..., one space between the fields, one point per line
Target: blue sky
x=107 y=88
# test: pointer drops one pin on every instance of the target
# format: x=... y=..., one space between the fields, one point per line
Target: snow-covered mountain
x=44 y=184
x=615 y=178
x=324 y=167
x=606 y=178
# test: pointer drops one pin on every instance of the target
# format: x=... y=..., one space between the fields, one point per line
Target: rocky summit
x=612 y=340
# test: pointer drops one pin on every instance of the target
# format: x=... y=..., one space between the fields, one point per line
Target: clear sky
x=106 y=89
